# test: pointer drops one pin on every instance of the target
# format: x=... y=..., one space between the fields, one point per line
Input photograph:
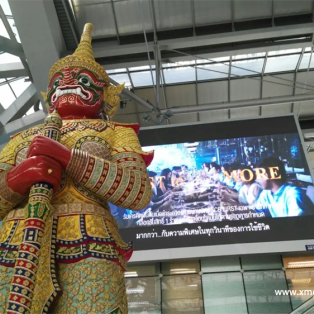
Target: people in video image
x=217 y=176
x=158 y=202
x=164 y=182
x=186 y=174
x=279 y=197
x=248 y=189
x=206 y=170
x=225 y=180
x=228 y=179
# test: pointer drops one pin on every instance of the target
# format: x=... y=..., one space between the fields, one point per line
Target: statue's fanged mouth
x=73 y=89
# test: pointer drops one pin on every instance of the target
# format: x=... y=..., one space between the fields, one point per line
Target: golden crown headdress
x=83 y=57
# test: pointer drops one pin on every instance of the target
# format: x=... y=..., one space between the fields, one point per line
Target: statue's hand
x=33 y=170
x=44 y=146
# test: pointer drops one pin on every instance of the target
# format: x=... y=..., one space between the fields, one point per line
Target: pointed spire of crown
x=84 y=49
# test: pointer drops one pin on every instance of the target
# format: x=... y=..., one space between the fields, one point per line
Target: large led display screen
x=222 y=183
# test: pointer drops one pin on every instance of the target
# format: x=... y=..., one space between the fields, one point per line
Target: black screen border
x=299 y=227
x=204 y=131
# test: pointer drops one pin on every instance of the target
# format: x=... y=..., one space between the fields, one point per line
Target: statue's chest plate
x=94 y=145
x=95 y=138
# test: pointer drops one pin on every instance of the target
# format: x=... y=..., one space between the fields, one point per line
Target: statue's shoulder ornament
x=85 y=125
x=31 y=132
x=134 y=126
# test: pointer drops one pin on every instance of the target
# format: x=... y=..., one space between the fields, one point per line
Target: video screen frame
x=157 y=136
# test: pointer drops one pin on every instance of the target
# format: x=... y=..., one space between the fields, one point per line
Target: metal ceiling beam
x=262 y=74
x=1 y=110
x=153 y=17
x=20 y=106
x=102 y=50
x=262 y=81
x=12 y=90
x=232 y=15
x=229 y=77
x=15 y=69
x=193 y=16
x=11 y=47
x=40 y=32
x=273 y=13
x=158 y=69
x=136 y=108
x=242 y=104
x=20 y=124
x=229 y=82
x=134 y=97
x=115 y=21
x=11 y=80
x=196 y=90
x=295 y=79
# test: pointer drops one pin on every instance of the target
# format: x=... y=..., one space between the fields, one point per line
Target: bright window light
x=6 y=7
x=6 y=96
x=19 y=86
x=115 y=71
x=284 y=52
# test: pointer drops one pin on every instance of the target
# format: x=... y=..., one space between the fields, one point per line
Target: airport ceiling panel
x=280 y=85
x=294 y=7
x=102 y=16
x=252 y=9
x=212 y=12
x=173 y=14
x=304 y=109
x=245 y=89
x=181 y=95
x=213 y=92
x=240 y=113
x=185 y=118
x=304 y=82
x=126 y=17
x=147 y=94
x=88 y=2
x=132 y=16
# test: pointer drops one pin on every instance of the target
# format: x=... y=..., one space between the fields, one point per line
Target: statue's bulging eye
x=56 y=83
x=85 y=80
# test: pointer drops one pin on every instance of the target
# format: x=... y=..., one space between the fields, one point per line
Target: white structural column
x=41 y=36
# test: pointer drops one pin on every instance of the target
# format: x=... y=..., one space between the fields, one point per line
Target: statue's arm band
x=110 y=180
